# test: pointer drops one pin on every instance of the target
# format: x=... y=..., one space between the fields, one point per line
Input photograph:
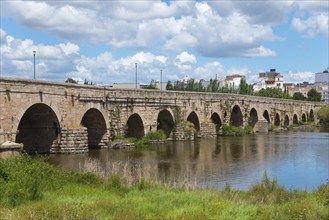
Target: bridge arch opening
x=295 y=120
x=165 y=122
x=286 y=120
x=311 y=115
x=135 y=126
x=236 y=116
x=303 y=117
x=253 y=117
x=193 y=118
x=95 y=123
x=38 y=129
x=266 y=116
x=216 y=120
x=277 y=120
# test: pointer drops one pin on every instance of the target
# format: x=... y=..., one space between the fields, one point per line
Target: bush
x=323 y=115
x=24 y=178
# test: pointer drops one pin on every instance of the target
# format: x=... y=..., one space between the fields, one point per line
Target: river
x=298 y=159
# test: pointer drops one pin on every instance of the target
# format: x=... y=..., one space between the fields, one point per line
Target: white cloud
x=312 y=26
x=173 y=26
x=298 y=77
x=260 y=52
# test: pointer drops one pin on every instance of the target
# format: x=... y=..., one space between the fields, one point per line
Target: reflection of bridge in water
x=50 y=117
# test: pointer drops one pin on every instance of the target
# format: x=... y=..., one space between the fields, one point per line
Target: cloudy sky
x=101 y=40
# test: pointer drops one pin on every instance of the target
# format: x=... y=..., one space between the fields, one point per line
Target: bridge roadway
x=50 y=117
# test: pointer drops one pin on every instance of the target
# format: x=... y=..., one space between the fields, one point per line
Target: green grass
x=64 y=195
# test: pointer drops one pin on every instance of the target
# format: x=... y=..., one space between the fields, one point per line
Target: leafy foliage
x=273 y=93
x=298 y=96
x=70 y=80
x=313 y=95
x=323 y=115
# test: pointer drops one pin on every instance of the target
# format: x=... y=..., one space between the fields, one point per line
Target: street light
x=161 y=80
x=34 y=52
x=136 y=74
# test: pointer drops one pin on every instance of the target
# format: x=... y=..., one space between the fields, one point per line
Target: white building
x=270 y=79
x=233 y=81
x=322 y=77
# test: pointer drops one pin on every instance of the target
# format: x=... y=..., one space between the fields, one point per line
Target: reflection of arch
x=38 y=129
x=253 y=117
x=94 y=121
x=303 y=117
x=295 y=120
x=193 y=118
x=286 y=120
x=236 y=116
x=135 y=127
x=311 y=115
x=216 y=120
x=266 y=116
x=165 y=122
x=277 y=120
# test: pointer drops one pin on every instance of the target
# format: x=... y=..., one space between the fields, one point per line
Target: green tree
x=245 y=88
x=213 y=86
x=313 y=95
x=298 y=96
x=169 y=86
x=323 y=115
x=70 y=80
x=273 y=93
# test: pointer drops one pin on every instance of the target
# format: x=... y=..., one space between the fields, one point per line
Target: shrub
x=323 y=115
x=24 y=178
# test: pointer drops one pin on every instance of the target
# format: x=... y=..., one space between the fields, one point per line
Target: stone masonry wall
x=72 y=140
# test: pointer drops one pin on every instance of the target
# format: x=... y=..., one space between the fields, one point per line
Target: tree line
x=244 y=89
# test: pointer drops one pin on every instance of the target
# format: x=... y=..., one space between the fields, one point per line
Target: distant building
x=322 y=77
x=270 y=79
x=233 y=81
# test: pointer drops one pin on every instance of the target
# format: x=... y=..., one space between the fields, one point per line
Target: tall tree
x=313 y=95
x=298 y=96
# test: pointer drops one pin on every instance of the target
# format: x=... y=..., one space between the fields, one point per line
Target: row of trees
x=213 y=86
x=244 y=89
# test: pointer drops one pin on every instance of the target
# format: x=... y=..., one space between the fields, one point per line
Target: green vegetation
x=152 y=136
x=298 y=96
x=313 y=95
x=229 y=130
x=64 y=195
x=323 y=115
x=273 y=93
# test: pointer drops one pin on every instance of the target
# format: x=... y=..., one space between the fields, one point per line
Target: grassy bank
x=32 y=189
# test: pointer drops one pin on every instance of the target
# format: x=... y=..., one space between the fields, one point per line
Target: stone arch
x=266 y=115
x=193 y=118
x=38 y=129
x=295 y=119
x=311 y=115
x=303 y=117
x=165 y=122
x=236 y=116
x=253 y=117
x=286 y=120
x=135 y=126
x=95 y=123
x=216 y=120
x=277 y=120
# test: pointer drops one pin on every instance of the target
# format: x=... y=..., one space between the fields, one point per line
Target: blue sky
x=102 y=40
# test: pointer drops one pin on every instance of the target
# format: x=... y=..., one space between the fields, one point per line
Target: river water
x=299 y=160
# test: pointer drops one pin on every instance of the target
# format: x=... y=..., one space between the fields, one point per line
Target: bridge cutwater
x=50 y=117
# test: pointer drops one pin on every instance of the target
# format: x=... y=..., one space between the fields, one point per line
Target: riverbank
x=33 y=189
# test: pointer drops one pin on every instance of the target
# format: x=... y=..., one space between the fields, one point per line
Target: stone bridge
x=49 y=117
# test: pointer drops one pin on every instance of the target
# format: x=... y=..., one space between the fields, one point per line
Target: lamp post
x=161 y=80
x=136 y=73
x=34 y=52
